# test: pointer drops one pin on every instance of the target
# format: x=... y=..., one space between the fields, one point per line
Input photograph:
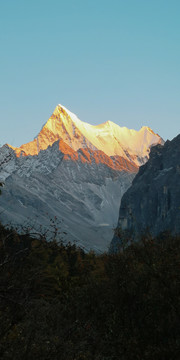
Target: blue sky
x=103 y=60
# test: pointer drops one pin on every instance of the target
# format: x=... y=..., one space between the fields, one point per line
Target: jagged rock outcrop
x=152 y=203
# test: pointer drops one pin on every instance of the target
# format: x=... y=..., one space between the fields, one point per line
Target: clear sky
x=115 y=60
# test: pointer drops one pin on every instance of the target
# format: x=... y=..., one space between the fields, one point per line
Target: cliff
x=152 y=203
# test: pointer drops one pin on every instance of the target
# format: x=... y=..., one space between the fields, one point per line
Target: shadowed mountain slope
x=152 y=203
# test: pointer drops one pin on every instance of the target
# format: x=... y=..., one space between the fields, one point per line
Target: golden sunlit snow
x=107 y=139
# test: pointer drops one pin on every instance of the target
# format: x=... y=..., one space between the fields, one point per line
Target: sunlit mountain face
x=108 y=137
x=75 y=172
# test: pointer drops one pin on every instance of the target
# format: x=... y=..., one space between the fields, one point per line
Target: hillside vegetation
x=57 y=302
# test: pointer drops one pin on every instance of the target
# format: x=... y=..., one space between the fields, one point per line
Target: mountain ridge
x=108 y=137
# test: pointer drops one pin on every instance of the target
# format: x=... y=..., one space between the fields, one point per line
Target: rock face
x=152 y=203
x=74 y=172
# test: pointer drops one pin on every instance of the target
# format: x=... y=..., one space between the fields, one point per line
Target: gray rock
x=152 y=203
x=80 y=199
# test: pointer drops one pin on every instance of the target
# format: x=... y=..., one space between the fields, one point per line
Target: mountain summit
x=74 y=172
x=108 y=137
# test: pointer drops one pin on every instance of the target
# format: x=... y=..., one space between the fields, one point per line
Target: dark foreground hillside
x=56 y=302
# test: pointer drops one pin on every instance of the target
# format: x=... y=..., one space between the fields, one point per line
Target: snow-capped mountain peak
x=108 y=137
x=74 y=171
